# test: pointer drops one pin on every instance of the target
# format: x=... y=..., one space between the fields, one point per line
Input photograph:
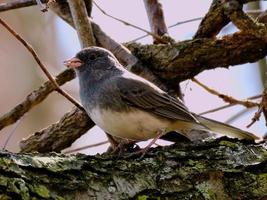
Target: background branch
x=82 y=22
x=60 y=135
x=41 y=65
x=156 y=18
x=213 y=22
x=34 y=98
x=226 y=98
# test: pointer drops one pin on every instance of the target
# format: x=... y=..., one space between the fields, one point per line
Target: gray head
x=93 y=61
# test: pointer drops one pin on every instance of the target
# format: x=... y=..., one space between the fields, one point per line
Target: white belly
x=135 y=125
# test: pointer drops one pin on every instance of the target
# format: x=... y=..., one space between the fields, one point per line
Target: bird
x=130 y=107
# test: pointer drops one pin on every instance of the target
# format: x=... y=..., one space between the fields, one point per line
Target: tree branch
x=213 y=21
x=60 y=135
x=226 y=98
x=156 y=18
x=186 y=59
x=225 y=168
x=17 y=4
x=82 y=22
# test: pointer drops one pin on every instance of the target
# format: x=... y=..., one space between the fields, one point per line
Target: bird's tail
x=225 y=129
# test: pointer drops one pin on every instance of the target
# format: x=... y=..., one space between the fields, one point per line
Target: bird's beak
x=73 y=63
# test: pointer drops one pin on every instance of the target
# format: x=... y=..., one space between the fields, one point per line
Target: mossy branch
x=219 y=169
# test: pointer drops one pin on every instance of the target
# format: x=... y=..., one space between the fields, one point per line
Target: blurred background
x=55 y=41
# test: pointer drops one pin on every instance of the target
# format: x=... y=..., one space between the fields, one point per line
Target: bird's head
x=92 y=58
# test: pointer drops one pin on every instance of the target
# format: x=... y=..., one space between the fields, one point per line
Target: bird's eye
x=92 y=57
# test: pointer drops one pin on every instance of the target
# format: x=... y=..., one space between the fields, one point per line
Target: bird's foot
x=143 y=151
x=123 y=148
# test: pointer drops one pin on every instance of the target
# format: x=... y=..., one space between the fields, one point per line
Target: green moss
x=228 y=144
x=5 y=197
x=262 y=182
x=42 y=191
x=18 y=186
x=145 y=197
x=212 y=190
x=59 y=198
x=196 y=164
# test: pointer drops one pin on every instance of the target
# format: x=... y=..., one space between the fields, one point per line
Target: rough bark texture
x=60 y=135
x=218 y=169
x=213 y=21
x=184 y=60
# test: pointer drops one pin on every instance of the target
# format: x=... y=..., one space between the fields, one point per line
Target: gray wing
x=142 y=95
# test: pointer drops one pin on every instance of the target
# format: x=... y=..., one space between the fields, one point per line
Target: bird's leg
x=158 y=135
x=144 y=150
x=119 y=145
x=113 y=143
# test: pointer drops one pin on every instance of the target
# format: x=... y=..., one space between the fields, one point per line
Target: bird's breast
x=134 y=124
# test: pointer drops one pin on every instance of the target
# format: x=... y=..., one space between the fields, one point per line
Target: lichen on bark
x=215 y=169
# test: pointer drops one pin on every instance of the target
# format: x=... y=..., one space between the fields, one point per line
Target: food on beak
x=73 y=63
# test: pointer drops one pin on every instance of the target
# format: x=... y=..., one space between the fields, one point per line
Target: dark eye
x=92 y=57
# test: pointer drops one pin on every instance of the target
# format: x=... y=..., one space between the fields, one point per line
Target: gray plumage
x=128 y=106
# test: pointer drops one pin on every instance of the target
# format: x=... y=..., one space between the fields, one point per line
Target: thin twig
x=236 y=116
x=227 y=106
x=85 y=147
x=226 y=98
x=12 y=132
x=171 y=26
x=36 y=58
x=256 y=116
x=262 y=109
x=132 y=25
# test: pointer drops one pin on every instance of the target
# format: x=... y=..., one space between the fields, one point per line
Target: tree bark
x=216 y=169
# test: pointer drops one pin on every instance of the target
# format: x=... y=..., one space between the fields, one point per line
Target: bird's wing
x=150 y=98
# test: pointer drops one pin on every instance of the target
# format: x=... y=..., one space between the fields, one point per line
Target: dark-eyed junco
x=128 y=106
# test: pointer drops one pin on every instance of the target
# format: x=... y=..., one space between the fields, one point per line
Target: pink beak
x=73 y=63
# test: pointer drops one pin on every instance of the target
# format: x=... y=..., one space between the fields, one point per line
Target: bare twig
x=262 y=109
x=132 y=25
x=171 y=26
x=85 y=147
x=237 y=115
x=36 y=58
x=12 y=132
x=256 y=116
x=82 y=22
x=227 y=106
x=226 y=98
